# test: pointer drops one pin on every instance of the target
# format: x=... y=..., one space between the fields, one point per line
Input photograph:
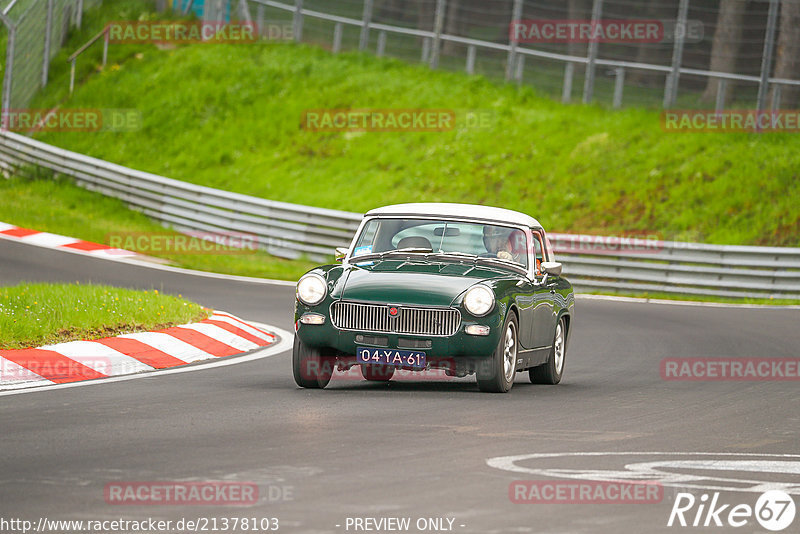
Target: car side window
x=538 y=252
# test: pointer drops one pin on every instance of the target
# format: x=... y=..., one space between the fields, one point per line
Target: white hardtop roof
x=459 y=211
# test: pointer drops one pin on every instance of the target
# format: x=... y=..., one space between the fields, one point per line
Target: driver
x=500 y=242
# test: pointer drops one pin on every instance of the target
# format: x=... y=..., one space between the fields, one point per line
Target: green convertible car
x=468 y=289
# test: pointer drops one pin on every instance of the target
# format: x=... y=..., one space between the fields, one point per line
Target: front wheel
x=497 y=374
x=551 y=372
x=311 y=368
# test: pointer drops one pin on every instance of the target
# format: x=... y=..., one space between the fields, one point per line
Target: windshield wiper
x=454 y=253
x=505 y=263
x=381 y=255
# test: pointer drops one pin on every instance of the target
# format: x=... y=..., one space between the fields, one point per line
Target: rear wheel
x=497 y=374
x=550 y=372
x=311 y=368
x=377 y=373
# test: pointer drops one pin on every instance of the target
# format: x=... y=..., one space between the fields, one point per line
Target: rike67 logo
x=774 y=510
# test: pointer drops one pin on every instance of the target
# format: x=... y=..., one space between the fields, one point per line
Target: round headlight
x=311 y=289
x=479 y=300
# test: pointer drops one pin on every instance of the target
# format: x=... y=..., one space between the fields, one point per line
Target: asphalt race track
x=409 y=449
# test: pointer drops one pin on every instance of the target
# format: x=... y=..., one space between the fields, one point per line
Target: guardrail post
x=471 y=59
x=720 y=103
x=588 y=82
x=260 y=20
x=426 y=49
x=671 y=89
x=619 y=84
x=366 y=19
x=79 y=14
x=566 y=91
x=337 y=38
x=297 y=23
x=381 y=44
x=47 y=33
x=766 y=59
x=438 y=25
x=516 y=15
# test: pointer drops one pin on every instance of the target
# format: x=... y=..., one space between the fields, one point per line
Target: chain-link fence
x=33 y=32
x=702 y=53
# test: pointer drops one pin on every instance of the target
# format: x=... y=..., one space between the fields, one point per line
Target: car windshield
x=438 y=236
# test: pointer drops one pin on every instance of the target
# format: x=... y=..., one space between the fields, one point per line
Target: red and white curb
x=46 y=239
x=220 y=335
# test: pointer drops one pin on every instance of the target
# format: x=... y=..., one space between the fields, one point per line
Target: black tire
x=496 y=375
x=377 y=373
x=311 y=368
x=552 y=371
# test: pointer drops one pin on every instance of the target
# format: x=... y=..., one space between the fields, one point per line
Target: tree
x=726 y=44
x=787 y=58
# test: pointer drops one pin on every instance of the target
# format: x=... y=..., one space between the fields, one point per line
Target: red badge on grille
x=393 y=311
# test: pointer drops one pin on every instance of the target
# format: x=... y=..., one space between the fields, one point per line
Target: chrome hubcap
x=558 y=349
x=510 y=352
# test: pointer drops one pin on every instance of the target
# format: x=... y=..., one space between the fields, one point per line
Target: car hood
x=422 y=283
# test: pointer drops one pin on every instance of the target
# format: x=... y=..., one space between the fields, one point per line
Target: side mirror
x=341 y=252
x=552 y=267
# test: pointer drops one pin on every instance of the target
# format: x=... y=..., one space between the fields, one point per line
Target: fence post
x=776 y=97
x=337 y=38
x=588 y=83
x=671 y=89
x=72 y=76
x=47 y=43
x=766 y=59
x=471 y=59
x=381 y=44
x=297 y=26
x=520 y=69
x=260 y=20
x=438 y=25
x=244 y=12
x=105 y=47
x=8 y=77
x=426 y=49
x=720 y=103
x=619 y=84
x=79 y=14
x=516 y=14
x=566 y=91
x=366 y=19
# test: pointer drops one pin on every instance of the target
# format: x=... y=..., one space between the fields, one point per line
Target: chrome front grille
x=376 y=318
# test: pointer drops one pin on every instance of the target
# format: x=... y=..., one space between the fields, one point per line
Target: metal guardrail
x=292 y=231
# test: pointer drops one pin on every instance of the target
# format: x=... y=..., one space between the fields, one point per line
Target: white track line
x=642 y=300
x=285 y=343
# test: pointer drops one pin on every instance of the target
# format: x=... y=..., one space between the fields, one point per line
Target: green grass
x=38 y=314
x=58 y=206
x=229 y=116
